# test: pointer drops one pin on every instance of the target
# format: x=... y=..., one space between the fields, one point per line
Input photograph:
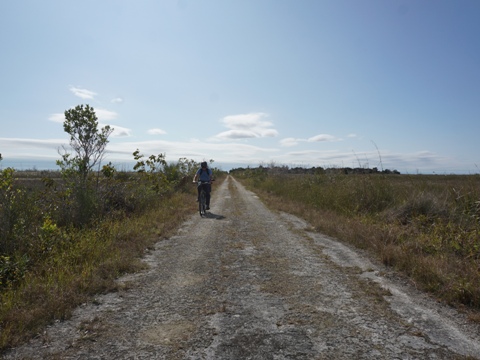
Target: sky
x=392 y=84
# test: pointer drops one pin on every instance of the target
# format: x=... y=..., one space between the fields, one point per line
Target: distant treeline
x=315 y=170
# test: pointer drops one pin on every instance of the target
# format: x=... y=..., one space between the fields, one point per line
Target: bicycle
x=202 y=198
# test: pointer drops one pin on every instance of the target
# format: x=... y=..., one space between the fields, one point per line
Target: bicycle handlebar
x=200 y=182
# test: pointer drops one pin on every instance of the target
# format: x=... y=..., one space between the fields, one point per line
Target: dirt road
x=246 y=283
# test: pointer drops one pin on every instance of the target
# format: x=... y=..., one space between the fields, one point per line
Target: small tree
x=88 y=143
x=86 y=140
x=153 y=170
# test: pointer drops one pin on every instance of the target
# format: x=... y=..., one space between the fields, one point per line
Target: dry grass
x=427 y=227
x=87 y=263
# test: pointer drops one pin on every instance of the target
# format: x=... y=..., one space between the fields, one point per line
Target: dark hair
x=204 y=164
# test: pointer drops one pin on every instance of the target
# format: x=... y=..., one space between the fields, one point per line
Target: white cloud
x=156 y=132
x=322 y=137
x=118 y=131
x=117 y=100
x=82 y=93
x=269 y=133
x=237 y=134
x=224 y=152
x=287 y=142
x=245 y=121
x=237 y=153
x=20 y=145
x=245 y=126
x=304 y=152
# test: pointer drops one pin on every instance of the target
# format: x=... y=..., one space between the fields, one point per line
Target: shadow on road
x=210 y=215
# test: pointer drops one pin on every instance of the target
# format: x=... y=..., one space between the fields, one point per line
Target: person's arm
x=211 y=175
x=195 y=178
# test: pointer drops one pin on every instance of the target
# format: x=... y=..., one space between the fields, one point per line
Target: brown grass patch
x=426 y=227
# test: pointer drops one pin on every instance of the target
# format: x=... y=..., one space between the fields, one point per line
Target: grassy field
x=52 y=259
x=426 y=227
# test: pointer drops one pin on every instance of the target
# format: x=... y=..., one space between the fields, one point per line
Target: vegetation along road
x=248 y=283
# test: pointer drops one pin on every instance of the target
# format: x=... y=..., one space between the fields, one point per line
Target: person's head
x=204 y=164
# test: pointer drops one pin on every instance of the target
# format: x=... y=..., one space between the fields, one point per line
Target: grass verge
x=426 y=227
x=84 y=263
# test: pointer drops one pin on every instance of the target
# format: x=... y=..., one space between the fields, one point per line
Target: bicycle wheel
x=201 y=203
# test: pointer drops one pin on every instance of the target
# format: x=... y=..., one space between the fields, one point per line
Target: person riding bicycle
x=204 y=174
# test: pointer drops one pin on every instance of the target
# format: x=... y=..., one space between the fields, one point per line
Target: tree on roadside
x=86 y=140
x=88 y=143
x=152 y=169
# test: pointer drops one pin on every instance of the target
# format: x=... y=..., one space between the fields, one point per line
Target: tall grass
x=428 y=227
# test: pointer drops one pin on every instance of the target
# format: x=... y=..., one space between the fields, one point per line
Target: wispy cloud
x=321 y=138
x=156 y=132
x=22 y=143
x=82 y=93
x=288 y=142
x=238 y=153
x=237 y=134
x=245 y=126
x=117 y=100
x=223 y=152
x=118 y=131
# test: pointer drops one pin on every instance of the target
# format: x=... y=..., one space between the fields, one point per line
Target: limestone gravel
x=248 y=283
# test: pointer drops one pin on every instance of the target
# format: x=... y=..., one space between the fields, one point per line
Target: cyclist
x=204 y=174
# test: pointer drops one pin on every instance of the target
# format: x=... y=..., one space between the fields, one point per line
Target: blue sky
x=388 y=83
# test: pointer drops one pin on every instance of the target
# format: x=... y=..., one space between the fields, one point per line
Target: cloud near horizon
x=238 y=153
x=288 y=142
x=247 y=126
x=156 y=132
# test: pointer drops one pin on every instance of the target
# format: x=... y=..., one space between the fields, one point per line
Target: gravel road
x=248 y=283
